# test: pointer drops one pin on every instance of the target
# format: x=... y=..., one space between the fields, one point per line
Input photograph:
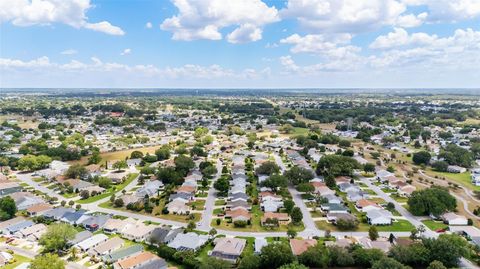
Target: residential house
x=228 y=249
x=178 y=207
x=12 y=229
x=107 y=247
x=334 y=217
x=7 y=188
x=456 y=169
x=5 y=224
x=282 y=218
x=379 y=217
x=451 y=218
x=381 y=243
x=364 y=205
x=38 y=209
x=95 y=222
x=188 y=241
x=57 y=213
x=91 y=242
x=5 y=258
x=238 y=214
x=138 y=260
x=406 y=190
x=162 y=235
x=150 y=188
x=79 y=237
x=137 y=232
x=334 y=208
x=37 y=229
x=299 y=246
x=122 y=253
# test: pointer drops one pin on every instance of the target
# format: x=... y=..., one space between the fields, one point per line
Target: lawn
x=397 y=226
x=118 y=155
x=398 y=198
x=434 y=225
x=197 y=205
x=220 y=202
x=109 y=193
x=463 y=179
x=18 y=260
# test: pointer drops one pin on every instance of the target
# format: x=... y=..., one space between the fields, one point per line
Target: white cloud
x=43 y=66
x=459 y=51
x=69 y=52
x=321 y=44
x=148 y=25
x=411 y=20
x=45 y=12
x=104 y=27
x=399 y=37
x=245 y=33
x=448 y=10
x=126 y=52
x=205 y=18
x=343 y=16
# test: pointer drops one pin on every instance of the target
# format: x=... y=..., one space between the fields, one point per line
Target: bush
x=240 y=223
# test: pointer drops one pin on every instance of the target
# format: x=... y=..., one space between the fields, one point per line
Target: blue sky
x=248 y=43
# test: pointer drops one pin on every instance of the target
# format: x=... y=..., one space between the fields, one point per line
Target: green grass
x=109 y=193
x=17 y=261
x=398 y=198
x=250 y=247
x=220 y=202
x=463 y=179
x=397 y=226
x=199 y=204
x=434 y=225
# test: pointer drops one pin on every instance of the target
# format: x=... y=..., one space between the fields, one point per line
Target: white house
x=453 y=219
x=379 y=217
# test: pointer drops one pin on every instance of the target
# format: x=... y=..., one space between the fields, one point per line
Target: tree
x=222 y=185
x=421 y=157
x=250 y=261
x=440 y=166
x=212 y=232
x=414 y=254
x=209 y=171
x=293 y=265
x=288 y=205
x=76 y=171
x=183 y=164
x=305 y=187
x=8 y=208
x=163 y=153
x=32 y=163
x=214 y=263
x=388 y=263
x=347 y=224
x=95 y=158
x=336 y=165
x=456 y=155
x=434 y=200
x=315 y=256
x=119 y=165
x=339 y=256
x=291 y=233
x=296 y=215
x=168 y=175
x=136 y=154
x=367 y=257
x=297 y=175
x=118 y=202
x=268 y=168
x=369 y=168
x=373 y=233
x=47 y=261
x=275 y=182
x=57 y=236
x=84 y=194
x=436 y=265
x=276 y=255
x=447 y=249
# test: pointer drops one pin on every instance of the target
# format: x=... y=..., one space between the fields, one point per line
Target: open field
x=114 y=189
x=117 y=155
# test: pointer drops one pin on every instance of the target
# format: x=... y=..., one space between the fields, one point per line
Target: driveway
x=206 y=220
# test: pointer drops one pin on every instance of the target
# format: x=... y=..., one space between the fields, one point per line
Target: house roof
x=301 y=245
x=137 y=259
x=275 y=215
x=109 y=245
x=91 y=241
x=122 y=253
x=81 y=236
x=154 y=264
x=364 y=202
x=188 y=241
x=39 y=208
x=229 y=246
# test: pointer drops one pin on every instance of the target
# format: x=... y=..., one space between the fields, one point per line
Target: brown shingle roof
x=301 y=245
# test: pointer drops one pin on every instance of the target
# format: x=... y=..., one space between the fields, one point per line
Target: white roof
x=92 y=241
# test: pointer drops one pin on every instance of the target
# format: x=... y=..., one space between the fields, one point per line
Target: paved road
x=27 y=178
x=411 y=218
x=206 y=220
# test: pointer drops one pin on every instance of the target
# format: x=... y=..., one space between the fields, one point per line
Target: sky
x=240 y=43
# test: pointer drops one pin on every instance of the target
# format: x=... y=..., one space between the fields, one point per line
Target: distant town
x=239 y=179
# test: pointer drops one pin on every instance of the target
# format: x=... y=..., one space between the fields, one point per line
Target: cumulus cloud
x=399 y=37
x=205 y=18
x=344 y=16
x=96 y=66
x=448 y=10
x=45 y=12
x=148 y=25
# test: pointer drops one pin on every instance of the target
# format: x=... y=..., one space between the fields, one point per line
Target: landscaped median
x=115 y=189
